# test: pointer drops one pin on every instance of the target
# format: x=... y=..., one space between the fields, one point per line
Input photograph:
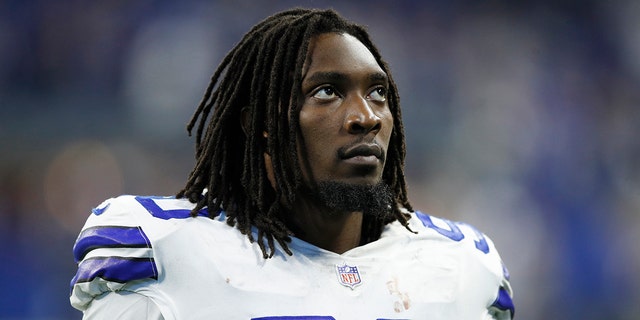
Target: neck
x=333 y=231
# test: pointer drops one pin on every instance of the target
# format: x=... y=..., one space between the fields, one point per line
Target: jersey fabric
x=202 y=268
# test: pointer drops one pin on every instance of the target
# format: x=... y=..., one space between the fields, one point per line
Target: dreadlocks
x=261 y=78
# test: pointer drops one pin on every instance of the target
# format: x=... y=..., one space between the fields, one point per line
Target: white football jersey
x=201 y=268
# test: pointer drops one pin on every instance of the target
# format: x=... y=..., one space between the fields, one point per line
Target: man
x=297 y=205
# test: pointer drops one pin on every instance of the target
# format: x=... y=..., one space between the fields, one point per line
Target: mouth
x=362 y=153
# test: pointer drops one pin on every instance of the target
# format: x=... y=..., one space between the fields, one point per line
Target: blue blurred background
x=522 y=118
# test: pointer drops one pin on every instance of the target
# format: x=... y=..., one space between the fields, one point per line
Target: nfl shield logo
x=348 y=275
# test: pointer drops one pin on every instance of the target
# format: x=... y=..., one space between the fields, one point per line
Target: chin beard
x=375 y=201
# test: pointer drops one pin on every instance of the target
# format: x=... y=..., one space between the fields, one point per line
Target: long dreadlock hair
x=262 y=74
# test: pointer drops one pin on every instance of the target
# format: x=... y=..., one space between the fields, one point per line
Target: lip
x=362 y=153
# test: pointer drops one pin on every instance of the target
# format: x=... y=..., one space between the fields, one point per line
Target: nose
x=361 y=118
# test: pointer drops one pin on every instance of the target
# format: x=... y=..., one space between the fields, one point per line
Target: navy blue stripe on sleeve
x=109 y=237
x=504 y=301
x=116 y=269
x=150 y=204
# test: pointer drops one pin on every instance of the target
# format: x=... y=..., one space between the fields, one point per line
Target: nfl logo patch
x=348 y=276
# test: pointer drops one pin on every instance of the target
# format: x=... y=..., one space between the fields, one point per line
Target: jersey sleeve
x=487 y=262
x=122 y=305
x=502 y=307
x=112 y=252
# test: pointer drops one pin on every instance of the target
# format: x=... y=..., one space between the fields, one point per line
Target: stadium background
x=521 y=119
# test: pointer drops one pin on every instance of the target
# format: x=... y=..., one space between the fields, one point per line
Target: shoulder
x=115 y=247
x=459 y=237
x=128 y=208
x=462 y=234
x=126 y=222
x=477 y=252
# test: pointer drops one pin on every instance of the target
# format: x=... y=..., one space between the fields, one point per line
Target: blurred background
x=522 y=118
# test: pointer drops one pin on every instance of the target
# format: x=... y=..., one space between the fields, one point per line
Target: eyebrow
x=378 y=76
x=326 y=77
x=332 y=76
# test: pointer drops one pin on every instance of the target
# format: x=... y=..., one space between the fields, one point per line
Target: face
x=345 y=121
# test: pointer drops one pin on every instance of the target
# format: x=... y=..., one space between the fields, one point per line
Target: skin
x=345 y=129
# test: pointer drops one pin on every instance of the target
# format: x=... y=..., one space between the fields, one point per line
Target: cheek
x=387 y=127
x=318 y=144
x=317 y=127
x=320 y=136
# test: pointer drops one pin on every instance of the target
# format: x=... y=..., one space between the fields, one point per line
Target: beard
x=375 y=201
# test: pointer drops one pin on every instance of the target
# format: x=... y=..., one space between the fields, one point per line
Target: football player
x=297 y=205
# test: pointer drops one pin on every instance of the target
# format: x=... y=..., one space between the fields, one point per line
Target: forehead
x=342 y=51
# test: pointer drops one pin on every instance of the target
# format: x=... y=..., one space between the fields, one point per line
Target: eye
x=378 y=94
x=325 y=93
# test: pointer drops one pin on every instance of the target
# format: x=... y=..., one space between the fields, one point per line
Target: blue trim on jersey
x=109 y=237
x=116 y=269
x=505 y=271
x=452 y=233
x=504 y=301
x=98 y=211
x=150 y=204
x=481 y=242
